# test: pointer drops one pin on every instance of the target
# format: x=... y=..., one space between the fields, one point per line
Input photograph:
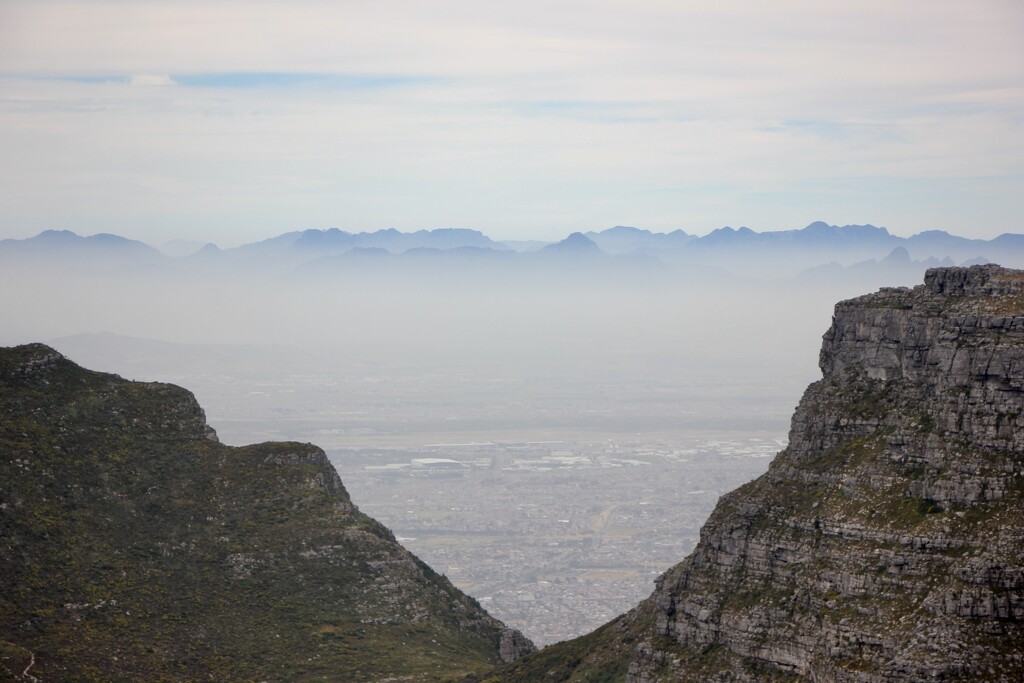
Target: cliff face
x=137 y=547
x=885 y=542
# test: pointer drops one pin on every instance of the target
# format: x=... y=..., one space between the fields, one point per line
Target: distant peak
x=453 y=231
x=319 y=231
x=69 y=241
x=727 y=234
x=110 y=238
x=577 y=243
x=624 y=229
x=57 y=234
x=897 y=255
x=578 y=240
x=822 y=226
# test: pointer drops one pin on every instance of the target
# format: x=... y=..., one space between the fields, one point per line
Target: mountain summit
x=138 y=547
x=884 y=542
x=576 y=244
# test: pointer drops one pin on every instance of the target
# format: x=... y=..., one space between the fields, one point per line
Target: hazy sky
x=235 y=121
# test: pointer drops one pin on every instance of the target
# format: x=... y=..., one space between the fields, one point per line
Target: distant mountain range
x=816 y=251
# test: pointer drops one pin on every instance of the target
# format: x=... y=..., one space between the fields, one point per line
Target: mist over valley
x=596 y=395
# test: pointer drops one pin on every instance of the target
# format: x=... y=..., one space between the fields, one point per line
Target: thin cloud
x=150 y=80
x=323 y=81
x=531 y=120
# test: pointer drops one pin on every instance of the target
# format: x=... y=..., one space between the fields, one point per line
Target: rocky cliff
x=134 y=546
x=885 y=542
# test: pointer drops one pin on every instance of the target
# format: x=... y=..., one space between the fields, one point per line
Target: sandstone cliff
x=134 y=546
x=885 y=543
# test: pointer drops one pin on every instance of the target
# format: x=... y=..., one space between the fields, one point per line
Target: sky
x=233 y=121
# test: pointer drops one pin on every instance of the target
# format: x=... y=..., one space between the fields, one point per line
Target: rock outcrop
x=885 y=542
x=134 y=546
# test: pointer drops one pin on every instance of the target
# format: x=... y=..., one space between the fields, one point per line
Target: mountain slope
x=884 y=541
x=137 y=547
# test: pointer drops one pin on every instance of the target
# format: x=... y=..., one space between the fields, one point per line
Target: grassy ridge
x=135 y=547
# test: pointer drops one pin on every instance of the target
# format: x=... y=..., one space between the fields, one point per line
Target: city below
x=554 y=538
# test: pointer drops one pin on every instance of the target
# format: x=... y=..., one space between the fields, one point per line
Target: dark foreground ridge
x=134 y=546
x=884 y=543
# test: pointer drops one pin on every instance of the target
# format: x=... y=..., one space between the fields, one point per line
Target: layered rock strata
x=886 y=542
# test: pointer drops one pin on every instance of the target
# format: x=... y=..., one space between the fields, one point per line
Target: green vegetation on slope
x=135 y=546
